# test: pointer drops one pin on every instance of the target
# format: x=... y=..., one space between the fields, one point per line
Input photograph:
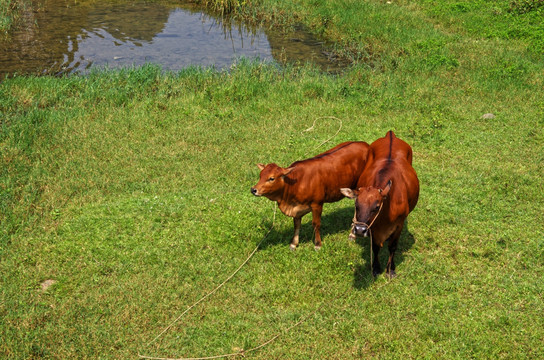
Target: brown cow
x=307 y=184
x=386 y=193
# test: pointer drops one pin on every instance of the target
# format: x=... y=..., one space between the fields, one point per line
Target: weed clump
x=526 y=6
x=225 y=7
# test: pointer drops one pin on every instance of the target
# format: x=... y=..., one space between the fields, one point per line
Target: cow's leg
x=376 y=268
x=393 y=242
x=294 y=243
x=316 y=222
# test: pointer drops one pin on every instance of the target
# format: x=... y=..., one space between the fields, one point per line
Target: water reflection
x=68 y=36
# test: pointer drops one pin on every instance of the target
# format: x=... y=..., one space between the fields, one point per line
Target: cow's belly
x=295 y=210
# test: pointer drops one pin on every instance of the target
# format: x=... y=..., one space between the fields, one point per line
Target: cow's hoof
x=292 y=247
x=352 y=237
x=392 y=274
x=317 y=248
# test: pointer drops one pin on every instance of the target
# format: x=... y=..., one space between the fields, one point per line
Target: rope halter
x=362 y=223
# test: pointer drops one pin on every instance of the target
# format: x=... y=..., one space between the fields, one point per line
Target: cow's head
x=368 y=203
x=272 y=180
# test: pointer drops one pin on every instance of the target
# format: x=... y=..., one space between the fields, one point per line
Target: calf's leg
x=317 y=209
x=294 y=243
x=352 y=235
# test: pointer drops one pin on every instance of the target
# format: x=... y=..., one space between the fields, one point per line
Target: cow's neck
x=293 y=209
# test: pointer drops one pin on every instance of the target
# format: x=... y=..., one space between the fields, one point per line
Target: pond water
x=66 y=36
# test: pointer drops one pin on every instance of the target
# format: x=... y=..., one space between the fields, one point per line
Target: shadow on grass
x=362 y=277
x=335 y=222
x=332 y=223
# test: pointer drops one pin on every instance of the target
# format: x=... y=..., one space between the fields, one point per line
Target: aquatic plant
x=224 y=6
x=10 y=11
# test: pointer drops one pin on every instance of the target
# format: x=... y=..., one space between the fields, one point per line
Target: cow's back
x=391 y=147
x=320 y=178
x=392 y=160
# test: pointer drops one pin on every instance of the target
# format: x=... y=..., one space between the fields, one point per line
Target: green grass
x=130 y=189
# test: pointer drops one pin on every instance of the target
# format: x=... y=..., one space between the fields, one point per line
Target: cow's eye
x=377 y=207
x=271 y=179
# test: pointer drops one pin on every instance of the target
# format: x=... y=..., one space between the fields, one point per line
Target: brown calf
x=306 y=185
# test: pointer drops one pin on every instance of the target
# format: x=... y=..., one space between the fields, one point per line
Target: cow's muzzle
x=254 y=191
x=360 y=229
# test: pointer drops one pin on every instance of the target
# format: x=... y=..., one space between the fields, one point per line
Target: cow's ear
x=347 y=192
x=287 y=171
x=385 y=191
x=261 y=166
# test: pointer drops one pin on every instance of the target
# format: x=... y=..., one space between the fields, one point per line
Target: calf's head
x=271 y=181
x=368 y=204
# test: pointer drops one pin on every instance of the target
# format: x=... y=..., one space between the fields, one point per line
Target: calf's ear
x=287 y=171
x=347 y=192
x=261 y=166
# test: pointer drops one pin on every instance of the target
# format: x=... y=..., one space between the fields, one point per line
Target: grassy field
x=124 y=197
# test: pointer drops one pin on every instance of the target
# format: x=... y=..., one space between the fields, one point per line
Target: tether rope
x=329 y=139
x=218 y=286
x=241 y=352
x=355 y=222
